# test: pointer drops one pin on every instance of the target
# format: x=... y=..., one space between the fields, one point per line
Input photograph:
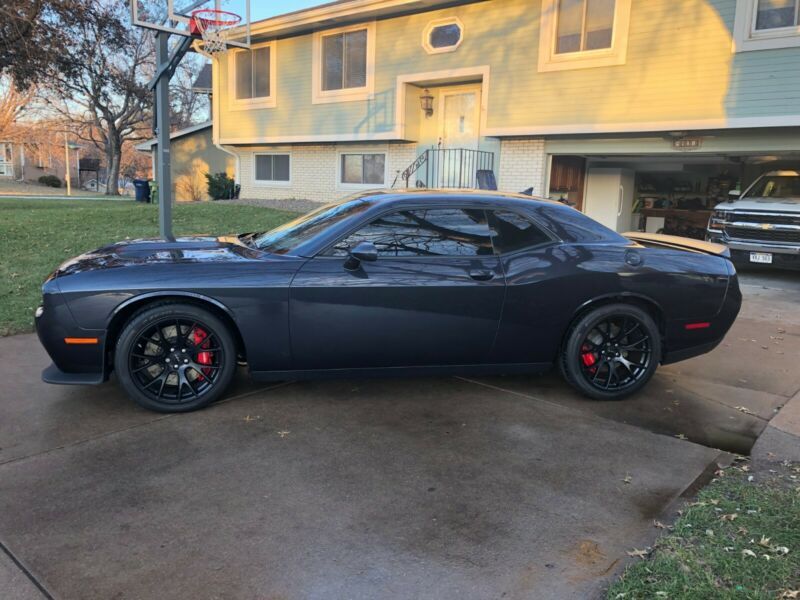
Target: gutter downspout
x=215 y=116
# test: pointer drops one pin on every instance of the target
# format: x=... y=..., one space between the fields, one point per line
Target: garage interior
x=659 y=193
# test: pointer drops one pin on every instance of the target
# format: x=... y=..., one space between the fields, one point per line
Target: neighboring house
x=193 y=154
x=6 y=160
x=615 y=106
x=28 y=161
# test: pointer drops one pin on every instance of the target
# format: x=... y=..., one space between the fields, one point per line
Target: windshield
x=288 y=236
x=776 y=186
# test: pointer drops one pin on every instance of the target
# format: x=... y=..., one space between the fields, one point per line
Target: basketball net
x=212 y=25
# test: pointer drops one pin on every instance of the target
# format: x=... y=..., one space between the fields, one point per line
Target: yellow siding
x=679 y=67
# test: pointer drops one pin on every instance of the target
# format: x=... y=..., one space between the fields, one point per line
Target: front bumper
x=53 y=374
x=72 y=364
x=784 y=256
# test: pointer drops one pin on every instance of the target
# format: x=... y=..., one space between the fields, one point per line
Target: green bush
x=220 y=186
x=50 y=180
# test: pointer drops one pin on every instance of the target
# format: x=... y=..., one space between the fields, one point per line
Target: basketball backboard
x=174 y=16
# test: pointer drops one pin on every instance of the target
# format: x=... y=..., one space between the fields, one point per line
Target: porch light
x=426 y=102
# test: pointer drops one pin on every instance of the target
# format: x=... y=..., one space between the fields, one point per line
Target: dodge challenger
x=388 y=283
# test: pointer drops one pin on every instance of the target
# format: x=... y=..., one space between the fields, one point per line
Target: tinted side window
x=511 y=231
x=426 y=232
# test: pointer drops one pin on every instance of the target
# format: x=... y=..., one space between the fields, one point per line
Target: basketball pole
x=163 y=162
x=166 y=64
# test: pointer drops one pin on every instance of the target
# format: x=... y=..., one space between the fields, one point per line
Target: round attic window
x=444 y=35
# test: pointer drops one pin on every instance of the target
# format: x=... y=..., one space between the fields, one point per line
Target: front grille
x=762 y=218
x=763 y=235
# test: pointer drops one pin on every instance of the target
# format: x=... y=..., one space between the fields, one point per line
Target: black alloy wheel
x=611 y=352
x=175 y=358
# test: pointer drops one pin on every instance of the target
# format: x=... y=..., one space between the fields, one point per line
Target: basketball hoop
x=212 y=24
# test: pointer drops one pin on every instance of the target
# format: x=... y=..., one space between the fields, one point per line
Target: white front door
x=459 y=108
x=6 y=160
x=459 y=118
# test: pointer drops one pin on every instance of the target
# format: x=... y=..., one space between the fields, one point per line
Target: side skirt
x=380 y=372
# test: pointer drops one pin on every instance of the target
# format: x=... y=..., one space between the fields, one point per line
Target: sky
x=261 y=9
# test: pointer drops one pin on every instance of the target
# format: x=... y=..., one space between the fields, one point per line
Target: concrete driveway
x=423 y=488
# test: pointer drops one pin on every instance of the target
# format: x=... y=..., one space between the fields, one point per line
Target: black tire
x=185 y=352
x=602 y=361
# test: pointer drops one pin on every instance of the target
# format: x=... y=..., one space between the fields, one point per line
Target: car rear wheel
x=611 y=352
x=175 y=358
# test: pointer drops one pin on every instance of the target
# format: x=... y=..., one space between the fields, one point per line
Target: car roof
x=414 y=195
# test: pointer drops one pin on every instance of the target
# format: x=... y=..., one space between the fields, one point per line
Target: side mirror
x=362 y=252
x=733 y=195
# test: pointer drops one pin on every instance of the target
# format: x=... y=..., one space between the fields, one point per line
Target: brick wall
x=523 y=164
x=314 y=170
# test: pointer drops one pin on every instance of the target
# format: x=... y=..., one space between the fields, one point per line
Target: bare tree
x=105 y=95
x=186 y=106
x=33 y=34
x=13 y=104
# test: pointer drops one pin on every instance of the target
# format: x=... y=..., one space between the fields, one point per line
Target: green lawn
x=740 y=539
x=37 y=235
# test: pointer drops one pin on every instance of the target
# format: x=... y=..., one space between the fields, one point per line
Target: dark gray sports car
x=388 y=283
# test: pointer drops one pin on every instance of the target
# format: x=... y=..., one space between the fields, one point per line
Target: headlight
x=717 y=219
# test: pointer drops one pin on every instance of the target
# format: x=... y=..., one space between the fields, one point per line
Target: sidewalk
x=781 y=438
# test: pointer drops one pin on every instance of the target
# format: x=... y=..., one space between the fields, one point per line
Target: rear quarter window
x=511 y=232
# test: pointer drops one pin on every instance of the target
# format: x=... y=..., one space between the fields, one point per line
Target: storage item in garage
x=609 y=197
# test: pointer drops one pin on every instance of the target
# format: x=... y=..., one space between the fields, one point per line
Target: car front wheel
x=611 y=352
x=175 y=357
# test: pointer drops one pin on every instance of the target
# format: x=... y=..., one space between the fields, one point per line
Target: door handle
x=481 y=274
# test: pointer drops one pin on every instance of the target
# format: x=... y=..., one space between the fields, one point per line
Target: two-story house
x=635 y=111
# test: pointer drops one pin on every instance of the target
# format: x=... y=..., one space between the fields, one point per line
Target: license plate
x=761 y=257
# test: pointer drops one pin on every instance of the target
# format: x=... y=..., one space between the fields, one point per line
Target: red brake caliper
x=588 y=357
x=204 y=358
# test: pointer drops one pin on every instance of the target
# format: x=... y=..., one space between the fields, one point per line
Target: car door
x=433 y=296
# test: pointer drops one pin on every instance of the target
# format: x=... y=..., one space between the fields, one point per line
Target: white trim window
x=580 y=34
x=362 y=169
x=766 y=25
x=272 y=168
x=251 y=77
x=443 y=35
x=343 y=64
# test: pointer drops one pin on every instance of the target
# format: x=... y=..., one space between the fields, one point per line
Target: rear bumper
x=683 y=343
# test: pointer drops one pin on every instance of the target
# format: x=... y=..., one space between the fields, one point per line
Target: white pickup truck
x=762 y=225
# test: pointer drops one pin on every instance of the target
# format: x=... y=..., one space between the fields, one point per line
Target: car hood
x=783 y=205
x=197 y=249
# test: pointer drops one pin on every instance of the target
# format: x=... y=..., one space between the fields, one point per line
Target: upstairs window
x=344 y=60
x=443 y=35
x=774 y=14
x=343 y=64
x=577 y=34
x=584 y=25
x=253 y=76
x=766 y=25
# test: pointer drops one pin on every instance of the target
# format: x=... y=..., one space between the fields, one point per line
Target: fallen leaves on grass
x=729 y=517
